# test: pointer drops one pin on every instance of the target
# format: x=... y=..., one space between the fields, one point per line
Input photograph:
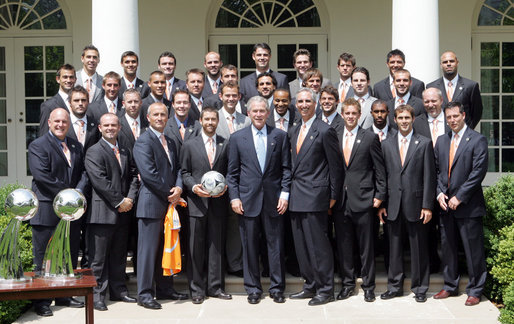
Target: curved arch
x=491 y=14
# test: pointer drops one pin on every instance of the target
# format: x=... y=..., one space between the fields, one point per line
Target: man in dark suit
x=228 y=73
x=212 y=64
x=83 y=125
x=385 y=89
x=328 y=101
x=283 y=114
x=113 y=176
x=457 y=88
x=195 y=82
x=132 y=122
x=157 y=161
x=259 y=177
x=261 y=55
x=432 y=123
x=87 y=76
x=461 y=162
x=129 y=80
x=345 y=64
x=379 y=112
x=403 y=84
x=110 y=101
x=410 y=168
x=66 y=78
x=317 y=174
x=56 y=162
x=302 y=61
x=157 y=84
x=181 y=126
x=207 y=213
x=266 y=85
x=167 y=64
x=364 y=188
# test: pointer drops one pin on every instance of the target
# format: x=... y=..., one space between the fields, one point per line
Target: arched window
x=496 y=13
x=31 y=15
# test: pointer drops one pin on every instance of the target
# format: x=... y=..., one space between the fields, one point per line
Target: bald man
x=212 y=64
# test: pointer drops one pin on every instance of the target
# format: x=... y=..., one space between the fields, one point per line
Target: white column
x=416 y=33
x=115 y=30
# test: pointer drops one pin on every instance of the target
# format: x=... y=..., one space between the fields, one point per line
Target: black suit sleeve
x=475 y=107
x=335 y=162
x=429 y=177
x=187 y=168
x=379 y=168
x=475 y=177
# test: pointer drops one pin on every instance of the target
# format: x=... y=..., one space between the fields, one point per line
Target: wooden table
x=39 y=288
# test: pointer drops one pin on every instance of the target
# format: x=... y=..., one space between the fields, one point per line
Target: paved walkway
x=353 y=310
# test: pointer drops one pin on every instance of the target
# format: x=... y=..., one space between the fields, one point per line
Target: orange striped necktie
x=134 y=129
x=347 y=151
x=435 y=131
x=230 y=122
x=403 y=150
x=182 y=130
x=301 y=137
x=449 y=91
x=116 y=151
x=453 y=149
x=80 y=131
x=210 y=151
x=66 y=152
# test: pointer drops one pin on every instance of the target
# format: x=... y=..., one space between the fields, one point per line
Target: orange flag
x=171 y=257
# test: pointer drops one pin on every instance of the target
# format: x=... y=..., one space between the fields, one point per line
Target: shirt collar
x=331 y=116
x=461 y=132
x=408 y=137
x=110 y=145
x=155 y=132
x=155 y=99
x=179 y=122
x=85 y=76
x=255 y=130
x=376 y=130
x=108 y=102
x=205 y=138
x=439 y=117
x=75 y=119
x=353 y=131
x=130 y=120
x=277 y=116
x=309 y=122
x=454 y=80
x=227 y=114
x=405 y=98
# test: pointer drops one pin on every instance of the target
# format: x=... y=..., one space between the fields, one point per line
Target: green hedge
x=12 y=309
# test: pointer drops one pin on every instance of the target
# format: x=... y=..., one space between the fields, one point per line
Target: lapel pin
x=73 y=145
x=190 y=130
x=467 y=139
x=272 y=143
x=312 y=137
x=358 y=141
x=92 y=124
x=220 y=144
x=460 y=88
x=416 y=142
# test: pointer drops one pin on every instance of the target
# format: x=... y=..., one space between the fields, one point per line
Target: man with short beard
x=379 y=112
x=402 y=84
x=212 y=64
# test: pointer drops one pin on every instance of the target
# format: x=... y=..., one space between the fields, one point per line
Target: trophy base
x=12 y=283
x=59 y=278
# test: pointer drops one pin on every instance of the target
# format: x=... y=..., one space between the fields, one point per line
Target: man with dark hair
x=328 y=101
x=195 y=82
x=83 y=127
x=181 y=126
x=345 y=65
x=87 y=76
x=228 y=73
x=110 y=101
x=129 y=80
x=360 y=86
x=266 y=85
x=261 y=55
x=302 y=61
x=230 y=119
x=157 y=84
x=402 y=85
x=167 y=64
x=385 y=88
x=379 y=112
x=212 y=64
x=66 y=78
x=283 y=114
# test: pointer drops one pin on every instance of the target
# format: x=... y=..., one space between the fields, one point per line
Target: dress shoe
x=420 y=298
x=472 y=301
x=151 y=304
x=345 y=293
x=174 y=295
x=254 y=298
x=238 y=273
x=100 y=306
x=197 y=299
x=444 y=294
x=278 y=297
x=125 y=299
x=69 y=302
x=320 y=300
x=44 y=311
x=221 y=295
x=391 y=294
x=302 y=295
x=369 y=296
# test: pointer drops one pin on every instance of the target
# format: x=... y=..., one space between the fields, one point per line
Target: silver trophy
x=21 y=205
x=69 y=205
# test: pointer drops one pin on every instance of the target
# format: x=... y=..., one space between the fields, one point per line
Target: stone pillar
x=115 y=30
x=416 y=33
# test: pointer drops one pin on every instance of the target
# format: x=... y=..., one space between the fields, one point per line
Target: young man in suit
x=228 y=73
x=195 y=82
x=113 y=176
x=379 y=112
x=328 y=101
x=410 y=169
x=167 y=64
x=207 y=214
x=129 y=80
x=261 y=55
x=283 y=114
x=384 y=89
x=157 y=84
x=403 y=84
x=84 y=127
x=345 y=65
x=461 y=161
x=132 y=122
x=302 y=61
x=87 y=76
x=212 y=64
x=457 y=88
x=181 y=126
x=317 y=174
x=360 y=86
x=110 y=101
x=259 y=176
x=56 y=162
x=158 y=164
x=230 y=119
x=363 y=189
x=66 y=78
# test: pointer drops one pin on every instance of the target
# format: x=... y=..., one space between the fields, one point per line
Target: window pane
x=2 y=58
x=285 y=55
x=508 y=107
x=52 y=87
x=508 y=80
x=309 y=18
x=490 y=54
x=313 y=48
x=32 y=110
x=494 y=159
x=491 y=107
x=299 y=5
x=54 y=57
x=507 y=160
x=228 y=53
x=508 y=133
x=488 y=17
x=33 y=57
x=31 y=133
x=258 y=10
x=508 y=22
x=238 y=6
x=3 y=164
x=491 y=131
x=508 y=54
x=499 y=5
x=55 y=21
x=3 y=137
x=2 y=85
x=226 y=19
x=3 y=111
x=34 y=84
x=489 y=80
x=246 y=56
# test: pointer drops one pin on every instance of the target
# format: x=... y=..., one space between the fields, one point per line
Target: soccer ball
x=213 y=182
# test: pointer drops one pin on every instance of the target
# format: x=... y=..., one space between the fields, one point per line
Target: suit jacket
x=141 y=86
x=466 y=92
x=468 y=171
x=414 y=102
x=51 y=173
x=46 y=108
x=177 y=84
x=158 y=174
x=125 y=137
x=171 y=130
x=207 y=88
x=248 y=88
x=317 y=169
x=258 y=190
x=194 y=111
x=337 y=123
x=241 y=121
x=366 y=120
x=294 y=86
x=294 y=118
x=410 y=187
x=382 y=89
x=98 y=108
x=111 y=181
x=92 y=132
x=99 y=91
x=421 y=126
x=365 y=176
x=195 y=163
x=149 y=100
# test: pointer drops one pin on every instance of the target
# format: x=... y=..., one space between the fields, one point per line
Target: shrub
x=507 y=313
x=10 y=310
